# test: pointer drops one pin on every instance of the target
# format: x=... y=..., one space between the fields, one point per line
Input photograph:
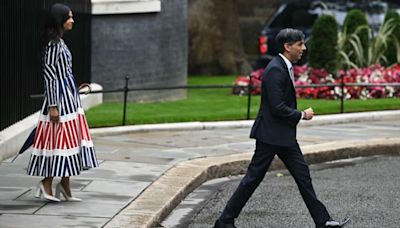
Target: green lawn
x=213 y=105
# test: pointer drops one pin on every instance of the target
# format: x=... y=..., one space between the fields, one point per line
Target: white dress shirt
x=289 y=66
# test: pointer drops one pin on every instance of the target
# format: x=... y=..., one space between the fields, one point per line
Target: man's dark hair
x=288 y=35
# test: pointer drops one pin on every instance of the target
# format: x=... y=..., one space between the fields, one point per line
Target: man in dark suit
x=275 y=132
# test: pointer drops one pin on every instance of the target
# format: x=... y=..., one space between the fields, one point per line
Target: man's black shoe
x=335 y=224
x=220 y=224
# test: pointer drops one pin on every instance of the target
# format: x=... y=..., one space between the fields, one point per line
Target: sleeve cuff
x=303 y=115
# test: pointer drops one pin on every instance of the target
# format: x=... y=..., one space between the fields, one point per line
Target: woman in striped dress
x=62 y=145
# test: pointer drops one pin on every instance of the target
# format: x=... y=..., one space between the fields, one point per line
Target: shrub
x=356 y=23
x=376 y=50
x=392 y=52
x=323 y=50
x=381 y=43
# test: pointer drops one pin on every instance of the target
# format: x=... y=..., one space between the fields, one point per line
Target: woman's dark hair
x=56 y=16
x=288 y=35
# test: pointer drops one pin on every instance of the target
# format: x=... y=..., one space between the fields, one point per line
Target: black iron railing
x=250 y=87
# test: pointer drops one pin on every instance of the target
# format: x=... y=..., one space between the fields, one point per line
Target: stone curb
x=317 y=120
x=162 y=196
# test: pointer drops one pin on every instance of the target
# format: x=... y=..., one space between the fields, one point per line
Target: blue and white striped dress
x=64 y=148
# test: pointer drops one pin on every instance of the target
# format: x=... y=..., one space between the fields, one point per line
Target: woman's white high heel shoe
x=41 y=192
x=60 y=189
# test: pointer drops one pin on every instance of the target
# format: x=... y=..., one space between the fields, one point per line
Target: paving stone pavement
x=132 y=161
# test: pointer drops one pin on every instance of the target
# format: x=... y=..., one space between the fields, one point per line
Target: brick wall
x=151 y=48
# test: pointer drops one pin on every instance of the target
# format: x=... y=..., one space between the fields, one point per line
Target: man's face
x=295 y=50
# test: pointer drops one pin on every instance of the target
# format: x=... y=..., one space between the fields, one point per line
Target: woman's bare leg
x=66 y=185
x=47 y=184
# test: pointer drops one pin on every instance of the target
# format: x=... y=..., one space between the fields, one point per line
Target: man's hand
x=54 y=116
x=308 y=114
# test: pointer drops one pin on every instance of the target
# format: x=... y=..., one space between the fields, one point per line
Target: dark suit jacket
x=277 y=118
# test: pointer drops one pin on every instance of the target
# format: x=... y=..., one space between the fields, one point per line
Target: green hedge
x=391 y=52
x=323 y=49
x=354 y=19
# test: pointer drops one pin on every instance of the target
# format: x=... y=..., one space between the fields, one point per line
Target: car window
x=282 y=18
x=302 y=18
x=292 y=16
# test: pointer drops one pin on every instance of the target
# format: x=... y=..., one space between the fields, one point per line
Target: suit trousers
x=293 y=159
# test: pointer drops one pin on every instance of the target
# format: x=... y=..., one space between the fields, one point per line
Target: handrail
x=250 y=87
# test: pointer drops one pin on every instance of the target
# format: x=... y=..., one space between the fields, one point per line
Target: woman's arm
x=51 y=80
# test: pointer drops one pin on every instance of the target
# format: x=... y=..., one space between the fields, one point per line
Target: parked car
x=302 y=15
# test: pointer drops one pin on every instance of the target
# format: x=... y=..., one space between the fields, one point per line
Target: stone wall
x=150 y=48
